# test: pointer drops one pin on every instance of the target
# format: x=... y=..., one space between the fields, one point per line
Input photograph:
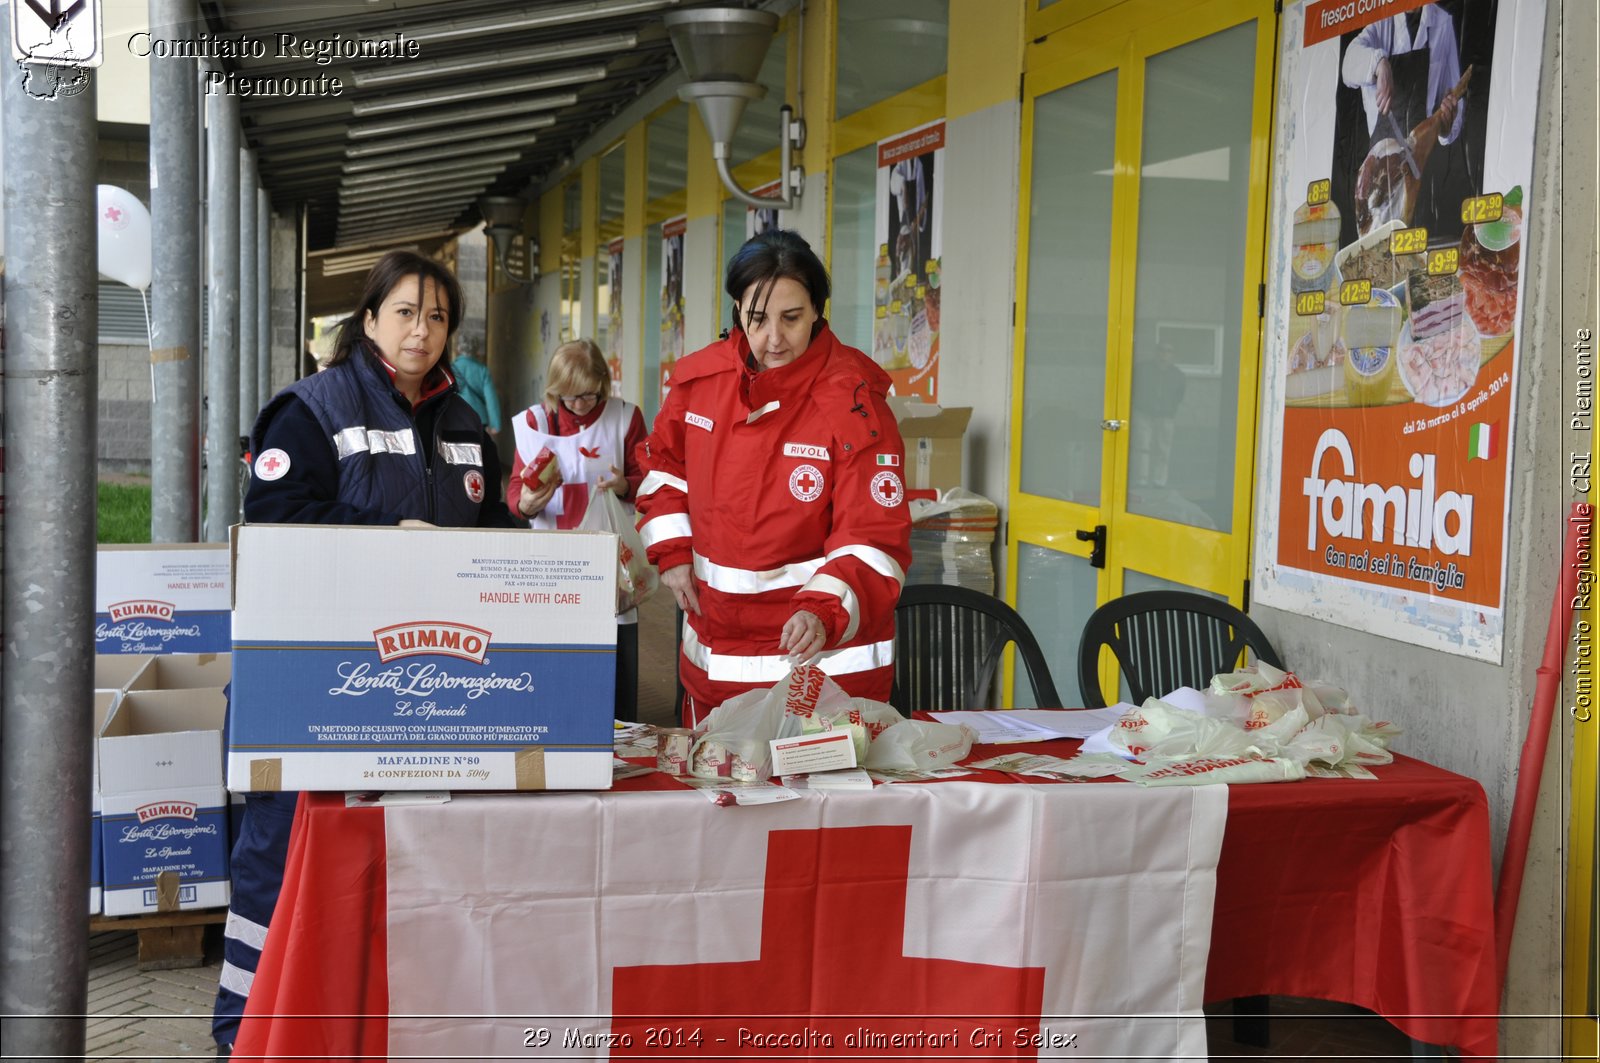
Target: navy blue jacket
x=344 y=447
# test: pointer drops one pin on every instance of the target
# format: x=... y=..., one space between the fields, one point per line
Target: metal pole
x=249 y=291
x=263 y=299
x=51 y=336
x=175 y=289
x=222 y=331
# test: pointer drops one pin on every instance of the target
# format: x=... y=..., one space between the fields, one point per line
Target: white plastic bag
x=637 y=578
x=917 y=745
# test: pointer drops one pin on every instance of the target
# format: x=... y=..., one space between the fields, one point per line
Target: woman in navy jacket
x=379 y=437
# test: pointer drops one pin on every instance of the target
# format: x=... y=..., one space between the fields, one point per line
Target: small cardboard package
x=933 y=437
x=163 y=810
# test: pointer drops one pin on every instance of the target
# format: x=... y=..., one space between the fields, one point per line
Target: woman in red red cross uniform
x=773 y=501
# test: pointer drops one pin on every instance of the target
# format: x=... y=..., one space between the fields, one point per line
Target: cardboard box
x=169 y=598
x=185 y=671
x=105 y=701
x=405 y=659
x=118 y=671
x=933 y=437
x=162 y=803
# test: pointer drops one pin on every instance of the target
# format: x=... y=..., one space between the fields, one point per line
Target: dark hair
x=389 y=272
x=765 y=258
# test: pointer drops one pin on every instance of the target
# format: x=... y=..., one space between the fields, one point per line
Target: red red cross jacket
x=784 y=489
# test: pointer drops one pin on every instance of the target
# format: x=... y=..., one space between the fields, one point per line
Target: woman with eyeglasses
x=590 y=436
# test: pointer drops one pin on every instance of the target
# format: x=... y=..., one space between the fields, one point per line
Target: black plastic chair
x=948 y=644
x=1166 y=639
x=1163 y=640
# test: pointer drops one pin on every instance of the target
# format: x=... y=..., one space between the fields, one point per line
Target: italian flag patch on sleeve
x=888 y=459
x=1483 y=441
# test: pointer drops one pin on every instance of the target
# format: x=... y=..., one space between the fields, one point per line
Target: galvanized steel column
x=249 y=292
x=51 y=335
x=263 y=299
x=222 y=331
x=175 y=288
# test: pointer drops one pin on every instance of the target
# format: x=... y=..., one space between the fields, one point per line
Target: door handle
x=1112 y=425
x=1097 y=553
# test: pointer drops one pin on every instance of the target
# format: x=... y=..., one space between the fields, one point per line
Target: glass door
x=1138 y=320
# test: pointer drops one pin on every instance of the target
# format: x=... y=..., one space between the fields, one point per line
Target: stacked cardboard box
x=952 y=540
x=169 y=598
x=162 y=809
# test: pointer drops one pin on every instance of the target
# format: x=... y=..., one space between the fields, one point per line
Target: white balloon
x=124 y=230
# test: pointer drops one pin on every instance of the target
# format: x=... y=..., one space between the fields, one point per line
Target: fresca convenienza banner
x=1390 y=364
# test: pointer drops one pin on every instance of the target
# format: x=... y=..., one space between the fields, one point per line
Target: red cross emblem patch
x=474 y=483
x=805 y=483
x=271 y=464
x=887 y=490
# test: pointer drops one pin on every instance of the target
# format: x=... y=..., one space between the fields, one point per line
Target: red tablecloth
x=1375 y=893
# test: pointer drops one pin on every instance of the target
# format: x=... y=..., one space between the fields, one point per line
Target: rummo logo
x=165 y=810
x=1417 y=516
x=433 y=637
x=139 y=607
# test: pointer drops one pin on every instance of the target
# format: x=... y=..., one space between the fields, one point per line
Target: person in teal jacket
x=474 y=384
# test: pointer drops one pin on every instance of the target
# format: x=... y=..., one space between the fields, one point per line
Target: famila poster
x=1395 y=285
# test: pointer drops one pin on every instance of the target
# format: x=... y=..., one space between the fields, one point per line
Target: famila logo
x=139 y=608
x=435 y=637
x=1416 y=516
x=165 y=810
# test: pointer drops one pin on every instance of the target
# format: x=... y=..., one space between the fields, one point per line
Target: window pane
x=758 y=129
x=855 y=254
x=612 y=178
x=572 y=205
x=667 y=140
x=1069 y=277
x=1055 y=595
x=888 y=46
x=650 y=397
x=610 y=228
x=1194 y=199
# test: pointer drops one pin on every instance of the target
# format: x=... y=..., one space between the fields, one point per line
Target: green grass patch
x=124 y=513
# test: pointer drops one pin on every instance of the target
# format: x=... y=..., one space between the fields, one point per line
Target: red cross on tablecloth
x=831 y=964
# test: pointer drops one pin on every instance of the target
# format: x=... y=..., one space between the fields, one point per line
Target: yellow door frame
x=1122 y=38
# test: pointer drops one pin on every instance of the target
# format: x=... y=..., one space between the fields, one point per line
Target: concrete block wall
x=124 y=413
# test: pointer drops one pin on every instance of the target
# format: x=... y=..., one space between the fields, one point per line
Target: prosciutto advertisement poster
x=614 y=314
x=672 y=232
x=908 y=224
x=1395 y=280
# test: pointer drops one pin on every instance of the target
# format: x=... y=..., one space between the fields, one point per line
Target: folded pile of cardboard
x=952 y=540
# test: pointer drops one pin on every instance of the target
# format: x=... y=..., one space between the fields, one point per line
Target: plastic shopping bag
x=637 y=578
x=917 y=745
